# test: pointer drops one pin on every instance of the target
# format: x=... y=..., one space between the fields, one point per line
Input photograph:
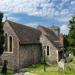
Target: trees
x=71 y=35
x=1 y=35
x=70 y=38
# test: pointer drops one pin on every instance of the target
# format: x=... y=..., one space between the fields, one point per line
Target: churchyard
x=51 y=69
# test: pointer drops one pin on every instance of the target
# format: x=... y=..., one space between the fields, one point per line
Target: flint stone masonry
x=29 y=54
x=53 y=52
x=12 y=58
x=21 y=56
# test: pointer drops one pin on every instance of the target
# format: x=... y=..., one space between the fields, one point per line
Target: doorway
x=60 y=55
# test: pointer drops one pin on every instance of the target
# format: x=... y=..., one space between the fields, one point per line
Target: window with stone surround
x=8 y=43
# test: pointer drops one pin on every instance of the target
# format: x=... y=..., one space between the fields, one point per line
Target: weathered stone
x=21 y=56
x=28 y=53
x=61 y=64
x=53 y=51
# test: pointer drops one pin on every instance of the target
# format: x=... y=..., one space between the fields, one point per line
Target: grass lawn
x=50 y=70
x=39 y=70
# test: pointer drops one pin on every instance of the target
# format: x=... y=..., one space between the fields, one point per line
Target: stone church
x=26 y=46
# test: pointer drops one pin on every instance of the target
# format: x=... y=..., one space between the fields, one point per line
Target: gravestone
x=61 y=65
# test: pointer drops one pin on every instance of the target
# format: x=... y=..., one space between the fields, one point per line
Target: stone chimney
x=56 y=30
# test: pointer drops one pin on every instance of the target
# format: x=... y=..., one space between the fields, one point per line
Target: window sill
x=8 y=52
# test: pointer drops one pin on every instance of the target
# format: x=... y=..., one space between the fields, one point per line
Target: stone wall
x=21 y=56
x=29 y=54
x=11 y=57
x=53 y=52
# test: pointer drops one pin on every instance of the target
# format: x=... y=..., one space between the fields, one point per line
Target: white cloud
x=36 y=7
x=10 y=18
x=65 y=0
x=64 y=12
x=32 y=24
x=63 y=18
x=72 y=2
x=33 y=7
x=64 y=29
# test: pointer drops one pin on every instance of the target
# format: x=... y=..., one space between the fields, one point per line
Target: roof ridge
x=46 y=28
x=21 y=24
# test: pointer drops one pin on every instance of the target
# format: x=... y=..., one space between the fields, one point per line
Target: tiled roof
x=51 y=36
x=29 y=35
x=26 y=35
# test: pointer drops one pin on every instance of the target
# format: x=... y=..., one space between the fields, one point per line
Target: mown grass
x=50 y=70
x=39 y=70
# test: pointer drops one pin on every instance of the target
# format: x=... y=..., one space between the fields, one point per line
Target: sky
x=39 y=12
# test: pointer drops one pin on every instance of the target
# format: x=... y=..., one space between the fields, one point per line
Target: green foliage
x=71 y=35
x=71 y=58
x=1 y=34
x=70 y=38
x=9 y=72
x=50 y=70
x=39 y=69
x=65 y=42
x=70 y=67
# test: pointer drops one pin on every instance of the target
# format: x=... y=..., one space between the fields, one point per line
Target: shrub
x=70 y=67
x=4 y=68
x=71 y=59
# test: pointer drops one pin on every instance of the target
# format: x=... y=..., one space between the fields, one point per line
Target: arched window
x=10 y=44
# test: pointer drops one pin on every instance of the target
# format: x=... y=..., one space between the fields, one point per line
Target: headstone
x=27 y=73
x=61 y=64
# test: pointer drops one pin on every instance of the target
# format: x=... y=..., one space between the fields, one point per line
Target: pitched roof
x=50 y=35
x=26 y=35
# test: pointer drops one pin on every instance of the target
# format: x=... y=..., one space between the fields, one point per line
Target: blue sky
x=39 y=12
